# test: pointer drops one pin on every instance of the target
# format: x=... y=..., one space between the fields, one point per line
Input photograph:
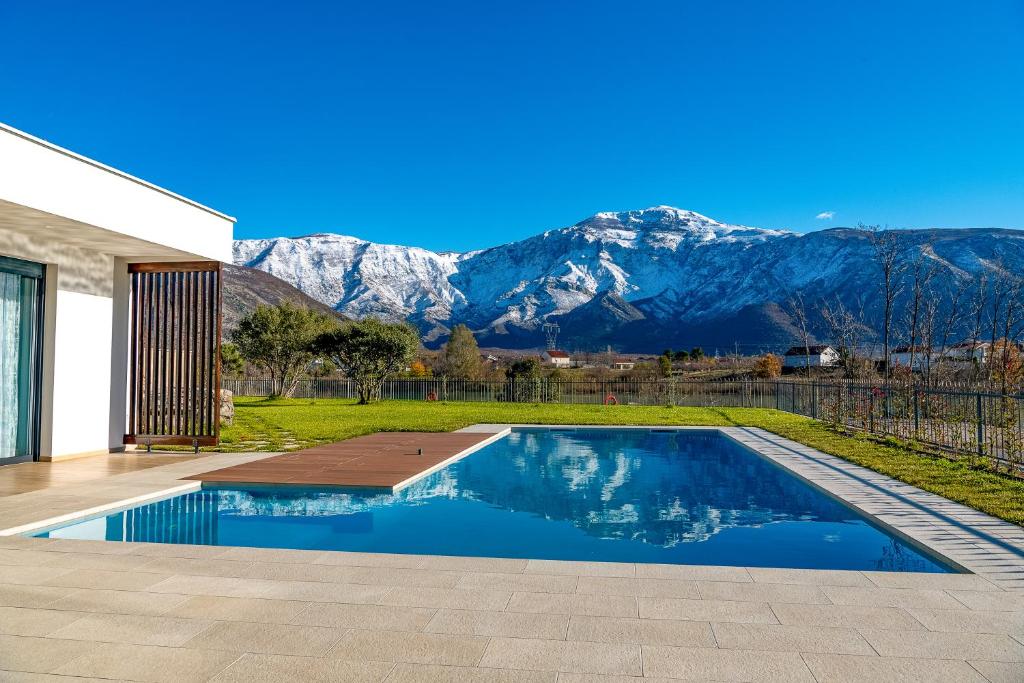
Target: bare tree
x=1009 y=352
x=846 y=327
x=977 y=320
x=929 y=319
x=1003 y=283
x=954 y=316
x=888 y=251
x=797 y=311
x=922 y=270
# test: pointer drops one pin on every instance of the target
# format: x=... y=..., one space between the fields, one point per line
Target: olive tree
x=279 y=340
x=369 y=351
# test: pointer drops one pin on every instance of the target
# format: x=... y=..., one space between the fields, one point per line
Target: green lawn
x=279 y=424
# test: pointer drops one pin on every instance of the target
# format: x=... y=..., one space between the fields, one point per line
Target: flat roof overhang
x=21 y=226
x=50 y=193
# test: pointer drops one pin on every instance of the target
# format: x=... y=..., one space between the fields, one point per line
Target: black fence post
x=981 y=427
x=871 y=411
x=917 y=413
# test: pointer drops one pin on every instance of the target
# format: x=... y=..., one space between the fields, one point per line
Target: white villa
x=820 y=357
x=109 y=307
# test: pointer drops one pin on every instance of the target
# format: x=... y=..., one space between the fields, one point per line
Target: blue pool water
x=623 y=495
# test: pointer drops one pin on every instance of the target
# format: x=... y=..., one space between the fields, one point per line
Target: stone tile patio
x=155 y=612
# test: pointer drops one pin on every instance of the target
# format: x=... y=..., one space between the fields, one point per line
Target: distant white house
x=977 y=352
x=560 y=359
x=623 y=364
x=821 y=356
x=916 y=358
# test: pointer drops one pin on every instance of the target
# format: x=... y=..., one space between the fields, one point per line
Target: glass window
x=21 y=291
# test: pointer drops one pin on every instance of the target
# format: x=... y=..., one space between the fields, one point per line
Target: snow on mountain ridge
x=671 y=267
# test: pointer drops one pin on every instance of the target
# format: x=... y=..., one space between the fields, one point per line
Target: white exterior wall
x=81 y=374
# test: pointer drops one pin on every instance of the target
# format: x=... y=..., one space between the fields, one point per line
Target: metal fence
x=976 y=424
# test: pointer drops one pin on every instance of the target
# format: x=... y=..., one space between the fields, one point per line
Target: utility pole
x=551 y=335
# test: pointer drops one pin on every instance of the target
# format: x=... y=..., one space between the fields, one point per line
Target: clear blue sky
x=458 y=125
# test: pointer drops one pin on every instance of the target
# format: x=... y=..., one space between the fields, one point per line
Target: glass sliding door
x=21 y=292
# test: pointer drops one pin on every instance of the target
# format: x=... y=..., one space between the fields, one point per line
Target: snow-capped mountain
x=640 y=280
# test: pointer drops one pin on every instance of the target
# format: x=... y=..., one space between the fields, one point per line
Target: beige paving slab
x=30 y=621
x=267 y=638
x=692 y=572
x=761 y=592
x=654 y=588
x=998 y=648
x=195 y=566
x=971 y=582
x=1000 y=672
x=558 y=655
x=845 y=616
x=267 y=668
x=589 y=604
x=988 y=600
x=311 y=591
x=26 y=556
x=147 y=663
x=351 y=559
x=184 y=584
x=473 y=564
x=534 y=583
x=132 y=628
x=19 y=595
x=392 y=576
x=451 y=598
x=507 y=624
x=118 y=562
x=433 y=673
x=314 y=591
x=221 y=608
x=26 y=677
x=564 y=677
x=706 y=610
x=74 y=545
x=858 y=668
x=710 y=664
x=782 y=638
x=415 y=648
x=30 y=575
x=907 y=598
x=178 y=550
x=103 y=578
x=620 y=569
x=809 y=577
x=270 y=555
x=117 y=601
x=402 y=576
x=641 y=631
x=970 y=621
x=42 y=655
x=377 y=617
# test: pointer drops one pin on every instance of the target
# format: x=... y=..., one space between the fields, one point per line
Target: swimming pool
x=620 y=495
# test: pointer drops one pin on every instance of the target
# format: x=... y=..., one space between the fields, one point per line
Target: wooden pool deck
x=385 y=460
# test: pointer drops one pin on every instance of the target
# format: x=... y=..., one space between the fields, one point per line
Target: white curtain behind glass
x=10 y=324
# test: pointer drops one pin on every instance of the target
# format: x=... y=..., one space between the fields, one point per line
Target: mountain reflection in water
x=687 y=497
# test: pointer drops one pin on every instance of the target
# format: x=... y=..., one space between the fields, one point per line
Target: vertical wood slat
x=174 y=352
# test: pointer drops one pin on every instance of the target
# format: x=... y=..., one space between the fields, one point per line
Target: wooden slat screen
x=174 y=361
